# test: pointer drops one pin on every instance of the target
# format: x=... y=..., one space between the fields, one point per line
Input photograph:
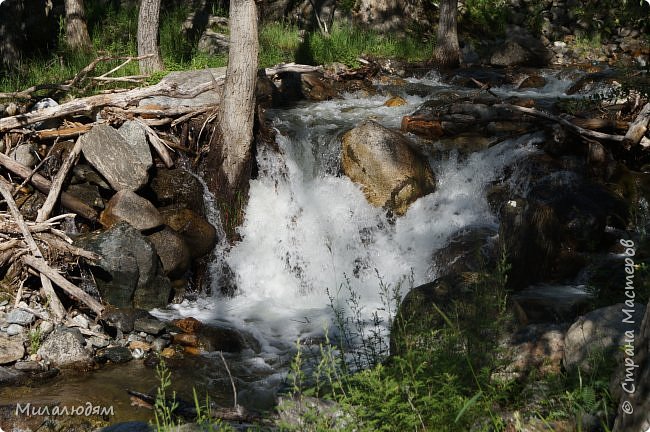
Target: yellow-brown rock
x=391 y=173
x=395 y=101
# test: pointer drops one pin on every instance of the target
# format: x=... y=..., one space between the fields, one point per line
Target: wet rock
x=159 y=344
x=395 y=101
x=119 y=161
x=316 y=87
x=10 y=376
x=28 y=366
x=533 y=81
x=172 y=250
x=129 y=272
x=116 y=354
x=600 y=332
x=213 y=338
x=20 y=317
x=129 y=207
x=468 y=250
x=422 y=125
x=198 y=234
x=11 y=349
x=550 y=303
x=152 y=326
x=188 y=325
x=390 y=172
x=64 y=348
x=123 y=319
x=86 y=193
x=136 y=346
x=178 y=187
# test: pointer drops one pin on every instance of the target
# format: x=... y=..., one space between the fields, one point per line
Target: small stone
x=186 y=339
x=15 y=329
x=12 y=109
x=65 y=348
x=128 y=206
x=188 y=325
x=133 y=345
x=28 y=366
x=117 y=354
x=98 y=342
x=10 y=376
x=159 y=344
x=395 y=101
x=168 y=352
x=151 y=326
x=138 y=353
x=46 y=327
x=4 y=303
x=24 y=154
x=21 y=317
x=11 y=349
x=80 y=321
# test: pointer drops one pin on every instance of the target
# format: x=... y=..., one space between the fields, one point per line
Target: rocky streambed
x=398 y=176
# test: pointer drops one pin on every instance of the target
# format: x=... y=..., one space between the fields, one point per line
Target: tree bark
x=231 y=149
x=77 y=36
x=148 y=19
x=447 y=51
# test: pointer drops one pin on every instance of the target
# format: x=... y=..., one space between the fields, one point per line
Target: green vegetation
x=35 y=338
x=113 y=33
x=447 y=378
x=485 y=15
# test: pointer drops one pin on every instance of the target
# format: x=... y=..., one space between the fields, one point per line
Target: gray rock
x=98 y=342
x=178 y=187
x=21 y=317
x=11 y=349
x=28 y=366
x=87 y=193
x=25 y=154
x=85 y=173
x=128 y=206
x=135 y=134
x=152 y=326
x=599 y=332
x=129 y=272
x=159 y=344
x=64 y=348
x=123 y=319
x=120 y=162
x=116 y=354
x=213 y=43
x=15 y=329
x=46 y=327
x=10 y=376
x=81 y=321
x=172 y=250
x=389 y=170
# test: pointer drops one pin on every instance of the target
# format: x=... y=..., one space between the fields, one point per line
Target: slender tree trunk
x=76 y=30
x=148 y=19
x=236 y=115
x=447 y=51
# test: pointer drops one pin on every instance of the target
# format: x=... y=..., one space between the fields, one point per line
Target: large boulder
x=64 y=348
x=468 y=250
x=129 y=272
x=172 y=250
x=178 y=187
x=391 y=173
x=124 y=164
x=199 y=235
x=129 y=207
x=600 y=332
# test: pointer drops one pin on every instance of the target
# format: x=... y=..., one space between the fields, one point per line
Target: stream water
x=309 y=239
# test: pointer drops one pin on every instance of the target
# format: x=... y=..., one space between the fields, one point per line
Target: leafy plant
x=35 y=337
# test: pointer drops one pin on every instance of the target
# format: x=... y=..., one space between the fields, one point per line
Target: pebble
x=27 y=366
x=159 y=344
x=20 y=317
x=46 y=327
x=98 y=342
x=80 y=321
x=15 y=329
x=149 y=325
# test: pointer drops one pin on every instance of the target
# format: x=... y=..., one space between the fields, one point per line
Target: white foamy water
x=309 y=233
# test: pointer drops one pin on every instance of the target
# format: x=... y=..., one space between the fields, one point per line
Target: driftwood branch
x=575 y=128
x=42 y=267
x=57 y=183
x=638 y=128
x=37 y=256
x=43 y=185
x=158 y=145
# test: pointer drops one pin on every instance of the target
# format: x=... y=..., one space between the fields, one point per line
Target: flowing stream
x=310 y=239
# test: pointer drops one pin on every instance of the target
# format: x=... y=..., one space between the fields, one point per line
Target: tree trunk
x=77 y=36
x=231 y=151
x=148 y=36
x=447 y=51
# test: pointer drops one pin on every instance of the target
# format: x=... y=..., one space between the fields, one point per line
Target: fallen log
x=638 y=128
x=41 y=266
x=575 y=128
x=44 y=185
